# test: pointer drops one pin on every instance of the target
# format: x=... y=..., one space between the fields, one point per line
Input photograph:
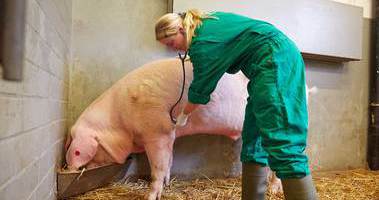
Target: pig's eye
x=77 y=153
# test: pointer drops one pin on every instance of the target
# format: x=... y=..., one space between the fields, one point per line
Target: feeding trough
x=71 y=183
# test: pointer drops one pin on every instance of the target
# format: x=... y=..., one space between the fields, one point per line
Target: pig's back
x=145 y=96
x=142 y=99
x=155 y=87
x=156 y=84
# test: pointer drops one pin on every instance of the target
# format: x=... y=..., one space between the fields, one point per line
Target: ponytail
x=192 y=20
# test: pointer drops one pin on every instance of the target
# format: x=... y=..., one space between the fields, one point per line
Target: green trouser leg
x=299 y=188
x=276 y=117
x=254 y=181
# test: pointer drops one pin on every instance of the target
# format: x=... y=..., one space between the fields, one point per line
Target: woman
x=276 y=118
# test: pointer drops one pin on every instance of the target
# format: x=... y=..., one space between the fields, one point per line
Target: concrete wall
x=111 y=38
x=32 y=112
x=339 y=111
x=367 y=5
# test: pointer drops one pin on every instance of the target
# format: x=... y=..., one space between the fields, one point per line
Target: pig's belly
x=224 y=114
x=212 y=126
x=212 y=120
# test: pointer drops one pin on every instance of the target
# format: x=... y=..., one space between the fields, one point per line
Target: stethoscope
x=182 y=58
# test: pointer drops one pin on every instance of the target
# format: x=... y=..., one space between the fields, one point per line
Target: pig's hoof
x=276 y=188
x=154 y=196
x=166 y=181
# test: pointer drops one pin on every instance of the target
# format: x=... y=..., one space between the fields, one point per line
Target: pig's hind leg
x=159 y=153
x=275 y=183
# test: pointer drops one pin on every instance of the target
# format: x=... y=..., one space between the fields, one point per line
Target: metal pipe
x=12 y=38
x=373 y=133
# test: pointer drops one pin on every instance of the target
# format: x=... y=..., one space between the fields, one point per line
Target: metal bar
x=373 y=131
x=170 y=4
x=13 y=38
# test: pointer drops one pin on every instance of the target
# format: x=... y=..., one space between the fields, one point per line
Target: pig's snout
x=74 y=158
x=81 y=152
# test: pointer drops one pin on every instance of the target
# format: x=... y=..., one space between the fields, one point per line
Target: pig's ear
x=68 y=142
x=93 y=146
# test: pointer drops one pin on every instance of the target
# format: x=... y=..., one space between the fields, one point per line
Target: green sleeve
x=208 y=69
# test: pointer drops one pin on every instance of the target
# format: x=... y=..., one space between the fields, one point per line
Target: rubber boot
x=254 y=181
x=299 y=188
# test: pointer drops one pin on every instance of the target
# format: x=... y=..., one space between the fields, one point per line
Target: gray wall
x=339 y=111
x=32 y=112
x=110 y=38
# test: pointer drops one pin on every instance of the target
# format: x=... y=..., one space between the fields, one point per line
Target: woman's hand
x=181 y=120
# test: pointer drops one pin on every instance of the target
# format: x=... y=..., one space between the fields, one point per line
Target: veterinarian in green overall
x=276 y=118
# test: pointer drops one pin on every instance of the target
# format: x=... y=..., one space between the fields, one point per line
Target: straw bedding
x=345 y=185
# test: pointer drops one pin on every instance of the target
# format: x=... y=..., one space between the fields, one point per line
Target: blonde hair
x=168 y=25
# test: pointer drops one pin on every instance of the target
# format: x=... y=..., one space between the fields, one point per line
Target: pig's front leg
x=167 y=177
x=159 y=153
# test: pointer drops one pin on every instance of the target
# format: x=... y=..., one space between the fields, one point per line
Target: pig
x=133 y=116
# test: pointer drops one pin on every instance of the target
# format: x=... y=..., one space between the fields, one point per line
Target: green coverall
x=276 y=118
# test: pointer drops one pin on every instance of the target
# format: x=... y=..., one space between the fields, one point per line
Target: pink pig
x=134 y=116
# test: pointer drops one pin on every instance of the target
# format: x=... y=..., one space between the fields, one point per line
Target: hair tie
x=182 y=14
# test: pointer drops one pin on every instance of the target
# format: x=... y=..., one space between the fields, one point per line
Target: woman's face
x=176 y=42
